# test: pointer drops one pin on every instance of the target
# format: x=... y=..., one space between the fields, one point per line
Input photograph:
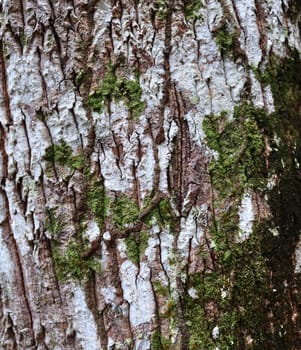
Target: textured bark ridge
x=150 y=174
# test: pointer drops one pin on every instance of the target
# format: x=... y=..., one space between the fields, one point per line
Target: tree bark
x=150 y=184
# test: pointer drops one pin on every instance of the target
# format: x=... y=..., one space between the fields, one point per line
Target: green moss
x=23 y=39
x=156 y=341
x=124 y=212
x=191 y=9
x=240 y=145
x=227 y=40
x=136 y=245
x=159 y=342
x=62 y=154
x=242 y=277
x=284 y=131
x=114 y=88
x=132 y=92
x=71 y=265
x=81 y=77
x=97 y=201
x=161 y=9
x=243 y=270
x=240 y=269
x=161 y=214
x=54 y=224
x=160 y=289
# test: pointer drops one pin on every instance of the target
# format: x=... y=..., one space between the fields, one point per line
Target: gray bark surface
x=150 y=192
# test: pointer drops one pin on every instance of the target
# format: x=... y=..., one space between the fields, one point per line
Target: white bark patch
x=164 y=151
x=138 y=292
x=142 y=344
x=24 y=82
x=6 y=266
x=166 y=243
x=276 y=27
x=298 y=257
x=193 y=293
x=188 y=231
x=195 y=124
x=247 y=14
x=151 y=250
x=92 y=232
x=215 y=332
x=109 y=294
x=246 y=217
x=83 y=321
x=152 y=82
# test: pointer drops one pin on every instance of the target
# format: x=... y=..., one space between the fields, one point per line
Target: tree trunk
x=150 y=174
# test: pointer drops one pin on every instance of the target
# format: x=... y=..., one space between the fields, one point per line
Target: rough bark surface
x=150 y=190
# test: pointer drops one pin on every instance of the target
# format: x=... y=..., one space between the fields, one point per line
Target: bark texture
x=150 y=190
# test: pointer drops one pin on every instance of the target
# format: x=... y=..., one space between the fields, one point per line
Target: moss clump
x=54 y=224
x=97 y=201
x=62 y=154
x=124 y=212
x=161 y=9
x=23 y=39
x=156 y=341
x=227 y=41
x=71 y=265
x=161 y=214
x=81 y=77
x=233 y=295
x=136 y=245
x=115 y=88
x=242 y=270
x=284 y=131
x=160 y=289
x=240 y=163
x=159 y=342
x=191 y=9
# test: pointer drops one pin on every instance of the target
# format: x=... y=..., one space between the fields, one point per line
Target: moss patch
x=191 y=9
x=124 y=212
x=233 y=295
x=136 y=245
x=117 y=88
x=161 y=9
x=61 y=154
x=239 y=295
x=284 y=130
x=240 y=163
x=97 y=200
x=54 y=223
x=71 y=265
x=227 y=41
x=160 y=214
x=159 y=342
